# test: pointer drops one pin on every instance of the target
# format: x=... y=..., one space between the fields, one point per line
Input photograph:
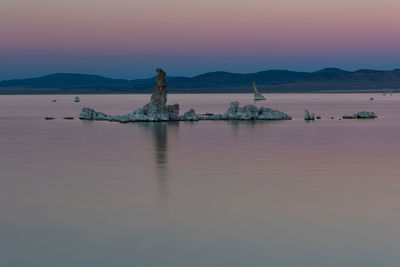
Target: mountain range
x=273 y=81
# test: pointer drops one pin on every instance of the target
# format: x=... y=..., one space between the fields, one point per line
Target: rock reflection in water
x=159 y=132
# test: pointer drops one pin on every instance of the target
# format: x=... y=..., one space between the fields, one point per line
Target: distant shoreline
x=199 y=93
x=329 y=80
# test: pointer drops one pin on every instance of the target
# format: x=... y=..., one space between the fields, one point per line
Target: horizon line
x=175 y=76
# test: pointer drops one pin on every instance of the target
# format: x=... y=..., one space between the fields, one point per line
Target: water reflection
x=159 y=133
x=279 y=194
x=251 y=123
x=160 y=140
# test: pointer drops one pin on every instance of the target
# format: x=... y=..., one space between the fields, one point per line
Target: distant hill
x=325 y=80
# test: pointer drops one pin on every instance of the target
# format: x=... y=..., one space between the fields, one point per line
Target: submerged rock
x=354 y=116
x=309 y=116
x=361 y=115
x=257 y=94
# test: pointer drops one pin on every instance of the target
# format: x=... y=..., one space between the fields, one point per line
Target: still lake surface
x=208 y=193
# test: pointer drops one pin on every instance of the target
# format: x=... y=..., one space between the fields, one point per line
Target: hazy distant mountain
x=62 y=82
x=329 y=79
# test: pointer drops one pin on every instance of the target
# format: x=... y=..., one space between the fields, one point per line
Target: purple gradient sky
x=129 y=39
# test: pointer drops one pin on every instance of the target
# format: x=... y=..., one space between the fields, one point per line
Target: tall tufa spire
x=159 y=96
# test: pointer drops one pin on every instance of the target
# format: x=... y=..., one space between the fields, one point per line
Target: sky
x=131 y=38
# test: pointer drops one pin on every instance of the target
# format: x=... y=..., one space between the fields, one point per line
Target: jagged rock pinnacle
x=159 y=96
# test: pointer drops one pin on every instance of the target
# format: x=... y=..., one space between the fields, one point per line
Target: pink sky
x=233 y=35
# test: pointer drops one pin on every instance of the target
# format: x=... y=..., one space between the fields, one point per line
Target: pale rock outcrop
x=250 y=112
x=234 y=112
x=173 y=112
x=270 y=114
x=309 y=116
x=361 y=115
x=190 y=116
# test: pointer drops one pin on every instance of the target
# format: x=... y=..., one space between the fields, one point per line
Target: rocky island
x=157 y=110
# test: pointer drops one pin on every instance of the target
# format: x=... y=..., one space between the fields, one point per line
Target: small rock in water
x=354 y=116
x=309 y=116
x=332 y=118
x=371 y=98
x=49 y=118
x=54 y=100
x=68 y=118
x=257 y=94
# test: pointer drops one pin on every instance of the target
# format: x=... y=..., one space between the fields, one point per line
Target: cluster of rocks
x=157 y=110
x=234 y=112
x=361 y=115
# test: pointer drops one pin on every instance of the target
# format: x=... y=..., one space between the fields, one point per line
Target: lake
x=207 y=193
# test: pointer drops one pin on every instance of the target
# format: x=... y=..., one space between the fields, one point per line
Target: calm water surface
x=208 y=193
